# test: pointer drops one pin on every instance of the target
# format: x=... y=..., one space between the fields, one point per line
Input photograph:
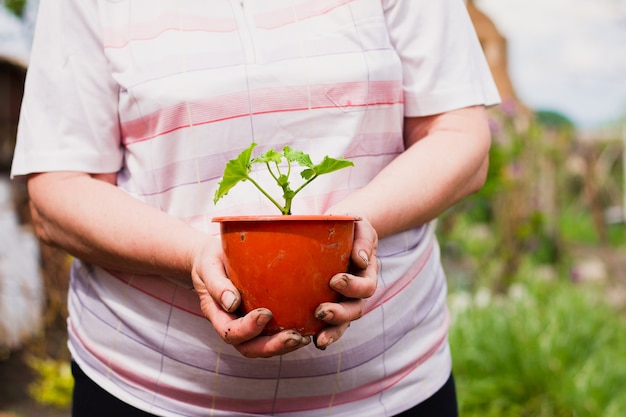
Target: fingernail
x=293 y=342
x=316 y=343
x=228 y=300
x=323 y=346
x=263 y=319
x=321 y=314
x=363 y=256
x=339 y=282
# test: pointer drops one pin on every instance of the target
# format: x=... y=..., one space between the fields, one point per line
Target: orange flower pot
x=285 y=263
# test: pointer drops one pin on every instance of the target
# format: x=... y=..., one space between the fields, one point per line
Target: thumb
x=210 y=280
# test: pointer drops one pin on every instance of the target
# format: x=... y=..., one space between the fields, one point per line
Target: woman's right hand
x=90 y=218
x=219 y=300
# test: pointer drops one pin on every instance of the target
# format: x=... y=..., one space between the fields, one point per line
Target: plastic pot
x=285 y=263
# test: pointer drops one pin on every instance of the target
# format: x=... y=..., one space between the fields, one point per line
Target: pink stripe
x=120 y=37
x=261 y=101
x=385 y=294
x=283 y=405
x=121 y=370
x=152 y=286
x=307 y=10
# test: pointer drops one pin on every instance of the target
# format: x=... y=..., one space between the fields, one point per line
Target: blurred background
x=536 y=260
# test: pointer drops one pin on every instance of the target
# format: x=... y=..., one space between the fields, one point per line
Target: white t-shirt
x=164 y=93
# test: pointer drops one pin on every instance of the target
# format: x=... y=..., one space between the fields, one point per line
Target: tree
x=16 y=6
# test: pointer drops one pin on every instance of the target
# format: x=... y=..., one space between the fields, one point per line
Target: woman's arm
x=89 y=217
x=445 y=160
x=92 y=219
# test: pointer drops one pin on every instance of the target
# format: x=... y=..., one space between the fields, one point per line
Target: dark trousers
x=90 y=400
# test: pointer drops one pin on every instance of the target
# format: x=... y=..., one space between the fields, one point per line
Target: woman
x=132 y=108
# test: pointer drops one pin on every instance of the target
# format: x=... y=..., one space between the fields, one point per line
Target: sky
x=566 y=55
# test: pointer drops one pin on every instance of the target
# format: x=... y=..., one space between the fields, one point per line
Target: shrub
x=54 y=383
x=551 y=350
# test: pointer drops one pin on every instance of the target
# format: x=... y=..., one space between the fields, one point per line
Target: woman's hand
x=354 y=287
x=219 y=299
x=90 y=218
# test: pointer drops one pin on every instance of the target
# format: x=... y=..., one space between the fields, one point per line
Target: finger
x=243 y=333
x=209 y=277
x=340 y=313
x=212 y=309
x=365 y=244
x=357 y=286
x=241 y=329
x=279 y=344
x=329 y=335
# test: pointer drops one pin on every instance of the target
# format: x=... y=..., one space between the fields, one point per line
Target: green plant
x=548 y=349
x=238 y=170
x=16 y=6
x=521 y=200
x=54 y=382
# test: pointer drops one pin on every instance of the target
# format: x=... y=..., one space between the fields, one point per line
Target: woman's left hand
x=355 y=287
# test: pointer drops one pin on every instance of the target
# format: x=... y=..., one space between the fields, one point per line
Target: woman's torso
x=200 y=80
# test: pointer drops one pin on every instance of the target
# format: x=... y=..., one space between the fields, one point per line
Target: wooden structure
x=496 y=51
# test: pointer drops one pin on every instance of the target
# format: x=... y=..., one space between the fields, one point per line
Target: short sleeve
x=68 y=120
x=444 y=67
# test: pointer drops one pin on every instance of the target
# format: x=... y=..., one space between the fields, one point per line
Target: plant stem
x=305 y=184
x=269 y=168
x=288 y=200
x=282 y=209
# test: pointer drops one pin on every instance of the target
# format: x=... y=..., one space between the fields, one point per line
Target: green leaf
x=327 y=166
x=268 y=156
x=299 y=157
x=283 y=181
x=236 y=170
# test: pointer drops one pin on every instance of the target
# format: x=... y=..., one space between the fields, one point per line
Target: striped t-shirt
x=164 y=93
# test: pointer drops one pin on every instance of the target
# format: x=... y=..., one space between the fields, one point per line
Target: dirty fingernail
x=321 y=314
x=293 y=342
x=317 y=344
x=228 y=300
x=321 y=345
x=339 y=282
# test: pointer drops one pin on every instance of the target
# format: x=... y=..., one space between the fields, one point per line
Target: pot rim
x=280 y=217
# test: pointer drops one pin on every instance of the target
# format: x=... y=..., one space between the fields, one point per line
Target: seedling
x=238 y=170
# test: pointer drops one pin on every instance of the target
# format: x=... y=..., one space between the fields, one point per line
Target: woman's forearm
x=446 y=160
x=95 y=221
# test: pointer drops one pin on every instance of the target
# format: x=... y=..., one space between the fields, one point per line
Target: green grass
x=577 y=227
x=555 y=351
